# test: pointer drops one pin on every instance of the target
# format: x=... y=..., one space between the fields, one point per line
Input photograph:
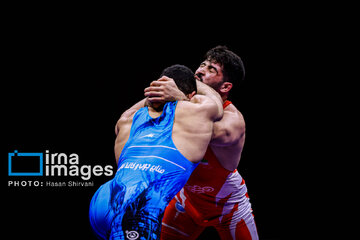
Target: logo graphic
x=25 y=164
x=150 y=135
x=132 y=235
x=199 y=189
x=179 y=207
x=53 y=164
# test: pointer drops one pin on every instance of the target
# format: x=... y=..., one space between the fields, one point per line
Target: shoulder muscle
x=206 y=106
x=230 y=129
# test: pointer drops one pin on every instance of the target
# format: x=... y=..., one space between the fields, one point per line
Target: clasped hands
x=164 y=90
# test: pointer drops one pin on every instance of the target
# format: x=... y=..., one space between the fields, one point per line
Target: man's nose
x=200 y=70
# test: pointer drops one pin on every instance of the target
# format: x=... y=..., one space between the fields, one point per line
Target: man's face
x=211 y=74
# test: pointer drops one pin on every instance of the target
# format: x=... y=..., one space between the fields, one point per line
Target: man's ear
x=226 y=87
x=190 y=95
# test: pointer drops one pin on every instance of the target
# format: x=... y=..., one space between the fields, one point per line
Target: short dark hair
x=183 y=77
x=232 y=65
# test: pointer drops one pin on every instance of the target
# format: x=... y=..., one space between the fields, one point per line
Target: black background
x=70 y=74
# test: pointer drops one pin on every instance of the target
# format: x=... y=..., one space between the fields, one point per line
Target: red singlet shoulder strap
x=226 y=103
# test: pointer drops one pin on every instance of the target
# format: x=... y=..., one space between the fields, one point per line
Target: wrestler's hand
x=164 y=90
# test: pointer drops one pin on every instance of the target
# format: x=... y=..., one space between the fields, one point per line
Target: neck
x=157 y=107
x=224 y=97
x=155 y=111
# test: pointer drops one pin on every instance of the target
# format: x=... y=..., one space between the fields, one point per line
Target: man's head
x=222 y=70
x=183 y=77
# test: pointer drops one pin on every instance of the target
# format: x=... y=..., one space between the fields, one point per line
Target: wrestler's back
x=191 y=133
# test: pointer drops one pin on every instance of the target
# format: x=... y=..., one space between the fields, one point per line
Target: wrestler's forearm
x=205 y=90
x=140 y=104
x=202 y=89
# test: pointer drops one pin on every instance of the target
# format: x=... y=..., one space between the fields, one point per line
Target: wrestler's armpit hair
x=183 y=77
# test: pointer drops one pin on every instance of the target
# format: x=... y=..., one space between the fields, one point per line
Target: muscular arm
x=194 y=122
x=128 y=113
x=207 y=91
x=123 y=127
x=165 y=89
x=230 y=130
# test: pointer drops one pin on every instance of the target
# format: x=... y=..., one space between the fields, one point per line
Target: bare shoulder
x=199 y=104
x=127 y=116
x=230 y=130
x=234 y=116
x=189 y=105
x=125 y=119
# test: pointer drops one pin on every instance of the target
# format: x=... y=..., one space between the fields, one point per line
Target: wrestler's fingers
x=165 y=78
x=155 y=83
x=153 y=89
x=152 y=94
x=161 y=81
x=156 y=99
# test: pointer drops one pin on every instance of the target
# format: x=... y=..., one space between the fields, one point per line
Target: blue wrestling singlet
x=150 y=172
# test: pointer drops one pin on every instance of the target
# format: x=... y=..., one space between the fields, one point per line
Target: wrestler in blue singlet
x=150 y=172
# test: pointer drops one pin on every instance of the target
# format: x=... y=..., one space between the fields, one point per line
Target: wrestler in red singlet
x=213 y=196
